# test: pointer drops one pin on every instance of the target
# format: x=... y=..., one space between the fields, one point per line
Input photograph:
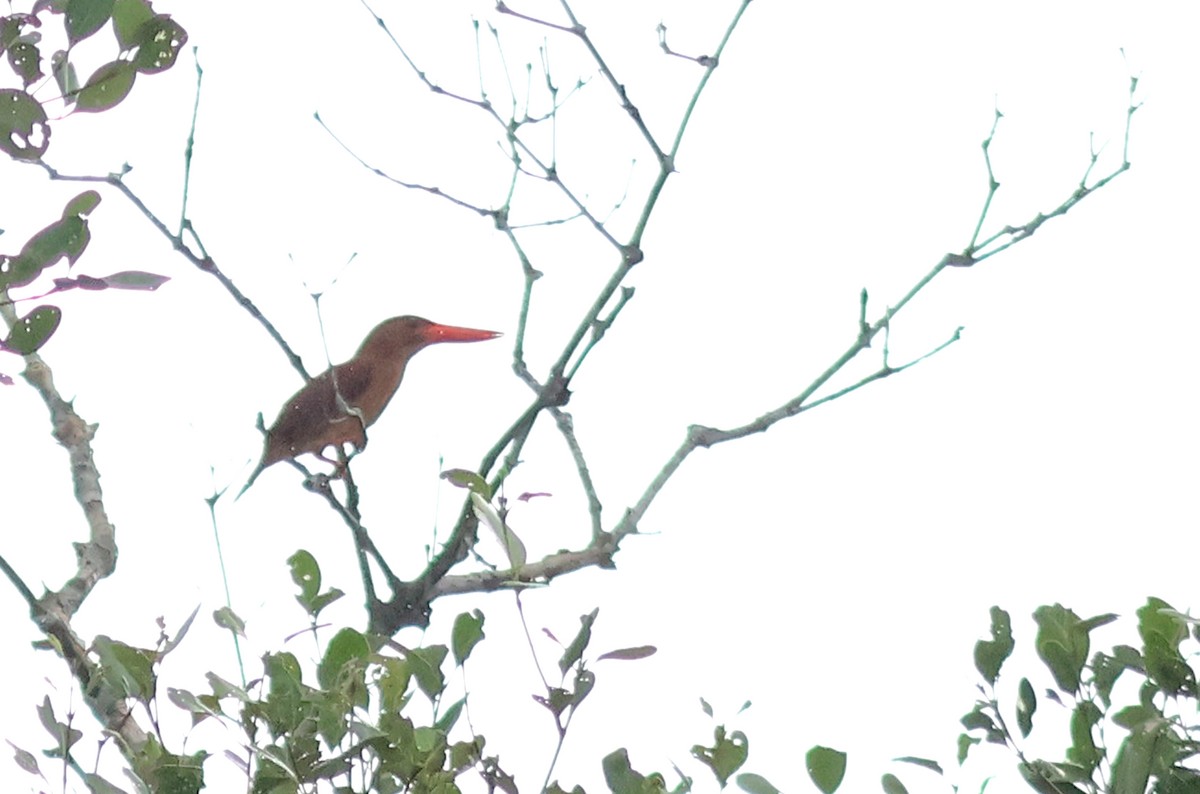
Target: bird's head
x=403 y=336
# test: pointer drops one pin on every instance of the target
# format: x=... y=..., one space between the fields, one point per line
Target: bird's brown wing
x=353 y=381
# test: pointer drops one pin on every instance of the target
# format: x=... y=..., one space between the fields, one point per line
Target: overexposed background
x=836 y=570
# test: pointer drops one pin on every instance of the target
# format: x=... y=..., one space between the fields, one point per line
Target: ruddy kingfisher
x=343 y=401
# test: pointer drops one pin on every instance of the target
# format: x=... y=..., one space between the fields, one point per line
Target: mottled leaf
x=991 y=654
x=306 y=573
x=159 y=41
x=33 y=330
x=24 y=133
x=26 y=61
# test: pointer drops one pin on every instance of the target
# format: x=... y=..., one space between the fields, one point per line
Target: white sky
x=837 y=570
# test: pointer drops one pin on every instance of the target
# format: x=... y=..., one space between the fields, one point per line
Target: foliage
x=359 y=726
x=146 y=43
x=373 y=715
x=1131 y=710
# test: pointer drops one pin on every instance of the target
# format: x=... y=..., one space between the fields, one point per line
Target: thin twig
x=201 y=261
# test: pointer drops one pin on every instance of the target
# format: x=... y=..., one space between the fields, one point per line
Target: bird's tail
x=253 y=476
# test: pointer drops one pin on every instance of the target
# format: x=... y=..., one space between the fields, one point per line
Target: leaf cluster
x=1150 y=744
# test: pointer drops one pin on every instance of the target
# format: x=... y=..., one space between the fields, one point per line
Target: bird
x=343 y=401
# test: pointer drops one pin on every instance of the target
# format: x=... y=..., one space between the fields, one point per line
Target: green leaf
x=1179 y=781
x=1138 y=717
x=925 y=763
x=24 y=133
x=755 y=784
x=978 y=719
x=98 y=785
x=826 y=767
x=727 y=754
x=85 y=17
x=226 y=618
x=574 y=652
x=65 y=76
x=1162 y=630
x=393 y=684
x=107 y=86
x=991 y=654
x=465 y=478
x=426 y=667
x=285 y=709
x=135 y=280
x=24 y=759
x=1046 y=778
x=892 y=785
x=83 y=204
x=128 y=16
x=33 y=330
x=348 y=647
x=126 y=279
x=1062 y=644
x=1026 y=706
x=629 y=654
x=705 y=707
x=66 y=237
x=223 y=689
x=128 y=670
x=467 y=633
x=26 y=60
x=514 y=549
x=64 y=735
x=965 y=743
x=1105 y=672
x=1083 y=750
x=585 y=680
x=446 y=722
x=1144 y=752
x=306 y=573
x=159 y=41
x=621 y=776
x=201 y=708
x=178 y=774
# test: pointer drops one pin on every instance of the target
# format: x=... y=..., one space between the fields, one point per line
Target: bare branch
x=201 y=260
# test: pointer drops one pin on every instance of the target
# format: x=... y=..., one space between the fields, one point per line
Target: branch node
x=958 y=260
